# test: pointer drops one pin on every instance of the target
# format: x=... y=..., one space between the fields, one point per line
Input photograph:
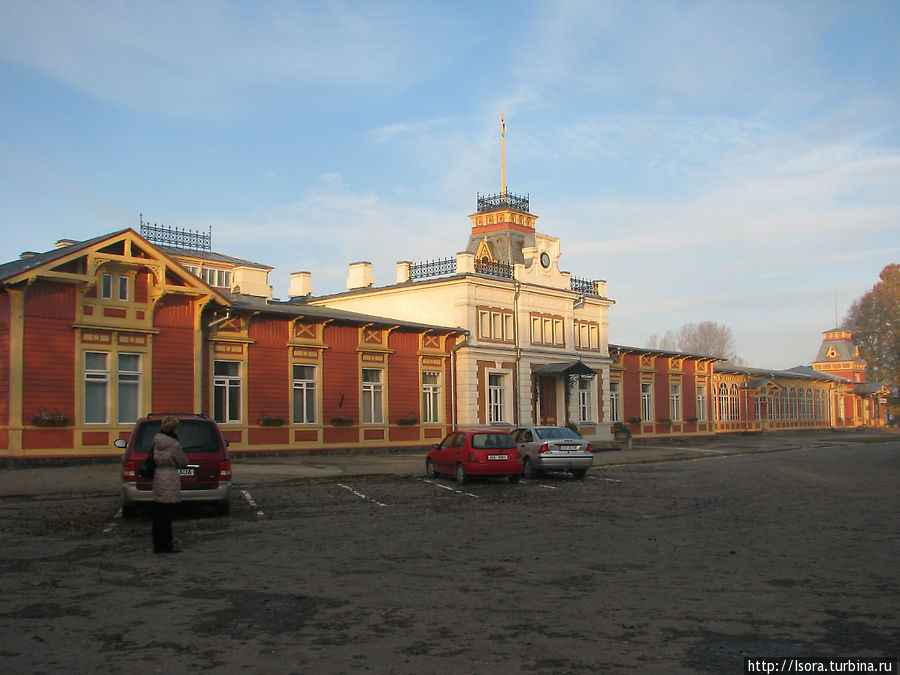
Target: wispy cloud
x=206 y=55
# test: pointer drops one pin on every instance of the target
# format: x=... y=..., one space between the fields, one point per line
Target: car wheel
x=429 y=469
x=460 y=474
x=129 y=510
x=222 y=508
x=579 y=473
x=514 y=478
x=528 y=469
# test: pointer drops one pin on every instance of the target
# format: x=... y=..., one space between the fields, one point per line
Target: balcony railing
x=433 y=268
x=494 y=269
x=584 y=286
x=171 y=236
x=502 y=201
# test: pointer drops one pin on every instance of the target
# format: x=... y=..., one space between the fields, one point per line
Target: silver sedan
x=553 y=449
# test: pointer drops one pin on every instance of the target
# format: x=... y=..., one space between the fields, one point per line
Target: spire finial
x=502 y=155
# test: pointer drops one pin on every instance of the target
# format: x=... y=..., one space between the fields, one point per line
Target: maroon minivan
x=207 y=477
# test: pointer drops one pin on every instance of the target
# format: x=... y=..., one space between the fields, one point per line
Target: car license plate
x=501 y=458
x=568 y=448
x=186 y=472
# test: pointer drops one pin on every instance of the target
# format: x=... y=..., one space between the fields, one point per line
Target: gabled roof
x=18 y=267
x=48 y=263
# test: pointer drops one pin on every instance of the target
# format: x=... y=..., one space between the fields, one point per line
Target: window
x=96 y=387
x=106 y=284
x=547 y=330
x=216 y=277
x=484 y=324
x=431 y=397
x=587 y=335
x=129 y=388
x=675 y=402
x=615 y=402
x=647 y=401
x=701 y=403
x=496 y=324
x=227 y=391
x=496 y=402
x=304 y=391
x=585 y=398
x=722 y=402
x=735 y=404
x=372 y=396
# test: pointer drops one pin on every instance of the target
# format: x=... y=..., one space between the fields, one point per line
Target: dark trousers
x=162 y=526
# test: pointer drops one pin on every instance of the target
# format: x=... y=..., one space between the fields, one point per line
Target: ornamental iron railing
x=494 y=269
x=433 y=268
x=177 y=238
x=503 y=200
x=584 y=286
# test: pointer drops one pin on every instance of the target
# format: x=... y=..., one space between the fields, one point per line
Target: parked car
x=207 y=477
x=475 y=453
x=553 y=449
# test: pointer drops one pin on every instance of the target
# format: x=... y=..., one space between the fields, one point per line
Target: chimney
x=301 y=285
x=65 y=242
x=360 y=276
x=27 y=254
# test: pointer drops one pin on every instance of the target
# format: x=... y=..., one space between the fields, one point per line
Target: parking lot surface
x=664 y=559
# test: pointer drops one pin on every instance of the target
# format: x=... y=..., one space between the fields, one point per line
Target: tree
x=874 y=320
x=706 y=338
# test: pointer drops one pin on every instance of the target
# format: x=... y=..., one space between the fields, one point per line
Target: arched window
x=722 y=402
x=794 y=404
x=735 y=406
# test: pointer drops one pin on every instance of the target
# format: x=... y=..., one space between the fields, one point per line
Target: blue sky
x=732 y=162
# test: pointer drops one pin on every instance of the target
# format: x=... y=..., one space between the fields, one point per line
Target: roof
x=576 y=367
x=662 y=352
x=16 y=267
x=796 y=373
x=175 y=252
x=299 y=309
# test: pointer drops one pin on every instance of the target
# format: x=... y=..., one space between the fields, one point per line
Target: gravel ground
x=658 y=567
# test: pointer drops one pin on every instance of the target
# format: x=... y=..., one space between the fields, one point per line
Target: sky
x=734 y=162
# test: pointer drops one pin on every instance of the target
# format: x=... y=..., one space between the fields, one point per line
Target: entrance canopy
x=577 y=367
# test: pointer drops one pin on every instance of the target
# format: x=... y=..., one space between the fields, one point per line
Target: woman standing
x=169 y=457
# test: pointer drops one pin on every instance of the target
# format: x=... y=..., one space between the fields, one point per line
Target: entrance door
x=548 y=402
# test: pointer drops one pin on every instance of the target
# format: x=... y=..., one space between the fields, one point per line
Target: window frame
x=229 y=385
x=304 y=390
x=371 y=397
x=431 y=398
x=96 y=376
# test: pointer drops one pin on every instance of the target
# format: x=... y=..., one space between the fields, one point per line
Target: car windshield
x=493 y=442
x=553 y=433
x=194 y=436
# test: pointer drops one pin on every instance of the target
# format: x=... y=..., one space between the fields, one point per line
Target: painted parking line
x=259 y=513
x=361 y=495
x=608 y=480
x=448 y=489
x=543 y=485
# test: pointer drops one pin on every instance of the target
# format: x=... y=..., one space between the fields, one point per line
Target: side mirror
x=435 y=446
x=121 y=443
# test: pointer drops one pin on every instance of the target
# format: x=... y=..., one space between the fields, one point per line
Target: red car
x=484 y=452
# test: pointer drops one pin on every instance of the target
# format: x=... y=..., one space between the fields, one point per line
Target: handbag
x=148 y=466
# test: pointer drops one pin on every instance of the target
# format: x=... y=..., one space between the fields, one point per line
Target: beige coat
x=169 y=457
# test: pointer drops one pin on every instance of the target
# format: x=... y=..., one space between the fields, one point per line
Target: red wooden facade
x=94 y=334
